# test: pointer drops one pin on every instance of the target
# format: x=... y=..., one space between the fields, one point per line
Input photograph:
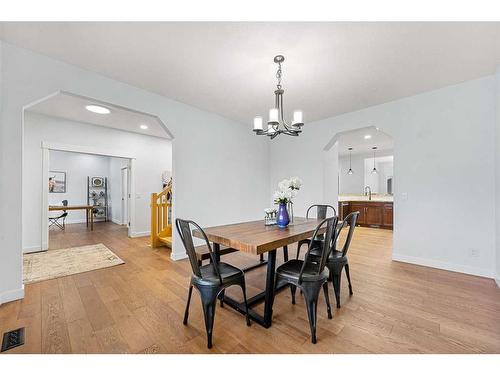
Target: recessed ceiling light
x=143 y=127
x=368 y=136
x=97 y=109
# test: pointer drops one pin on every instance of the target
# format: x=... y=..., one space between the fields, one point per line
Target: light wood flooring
x=138 y=307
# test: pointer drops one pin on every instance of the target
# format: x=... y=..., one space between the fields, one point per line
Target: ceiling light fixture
x=368 y=136
x=143 y=127
x=276 y=124
x=374 y=170
x=97 y=109
x=350 y=165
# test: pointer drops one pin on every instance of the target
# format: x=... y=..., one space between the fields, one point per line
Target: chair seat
x=334 y=259
x=228 y=273
x=291 y=270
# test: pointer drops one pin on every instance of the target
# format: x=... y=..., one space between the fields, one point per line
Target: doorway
x=125 y=196
x=366 y=177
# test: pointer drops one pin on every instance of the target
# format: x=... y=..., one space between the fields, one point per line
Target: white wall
x=218 y=167
x=148 y=167
x=362 y=165
x=497 y=175
x=443 y=163
x=353 y=183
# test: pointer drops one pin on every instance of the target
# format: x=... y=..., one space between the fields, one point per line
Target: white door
x=125 y=215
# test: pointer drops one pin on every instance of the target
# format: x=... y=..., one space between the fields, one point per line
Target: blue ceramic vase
x=282 y=220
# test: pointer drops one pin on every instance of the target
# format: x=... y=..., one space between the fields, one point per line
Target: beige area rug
x=63 y=262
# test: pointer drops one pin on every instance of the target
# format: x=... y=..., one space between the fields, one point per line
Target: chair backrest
x=184 y=229
x=349 y=220
x=65 y=203
x=328 y=225
x=321 y=213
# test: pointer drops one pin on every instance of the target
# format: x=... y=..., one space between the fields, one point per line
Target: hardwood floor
x=138 y=307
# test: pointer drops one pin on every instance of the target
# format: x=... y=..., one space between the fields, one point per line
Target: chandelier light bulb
x=257 y=123
x=297 y=118
x=273 y=116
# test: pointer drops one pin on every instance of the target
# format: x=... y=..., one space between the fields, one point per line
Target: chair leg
x=348 y=278
x=327 y=300
x=243 y=287
x=285 y=253
x=336 y=288
x=209 y=301
x=293 y=289
x=221 y=297
x=186 y=313
x=311 y=293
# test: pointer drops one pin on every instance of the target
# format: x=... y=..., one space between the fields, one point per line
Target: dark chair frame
x=209 y=288
x=55 y=220
x=321 y=213
x=338 y=259
x=312 y=275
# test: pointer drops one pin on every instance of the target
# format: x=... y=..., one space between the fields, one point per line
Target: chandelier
x=276 y=124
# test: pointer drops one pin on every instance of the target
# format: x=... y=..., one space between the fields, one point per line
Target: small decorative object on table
x=287 y=190
x=270 y=217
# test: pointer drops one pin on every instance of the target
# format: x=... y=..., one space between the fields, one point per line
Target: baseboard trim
x=178 y=256
x=12 y=295
x=117 y=222
x=442 y=265
x=140 y=234
x=32 y=249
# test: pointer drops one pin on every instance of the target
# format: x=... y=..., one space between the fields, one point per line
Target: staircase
x=161 y=217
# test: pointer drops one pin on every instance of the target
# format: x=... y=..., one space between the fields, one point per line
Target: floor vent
x=12 y=339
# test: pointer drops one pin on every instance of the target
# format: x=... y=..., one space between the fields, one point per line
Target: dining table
x=256 y=238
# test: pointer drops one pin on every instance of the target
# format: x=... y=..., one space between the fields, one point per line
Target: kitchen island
x=376 y=212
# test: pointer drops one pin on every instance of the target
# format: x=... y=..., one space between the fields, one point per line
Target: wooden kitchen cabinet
x=371 y=214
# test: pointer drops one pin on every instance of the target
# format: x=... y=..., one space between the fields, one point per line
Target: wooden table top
x=256 y=238
x=65 y=208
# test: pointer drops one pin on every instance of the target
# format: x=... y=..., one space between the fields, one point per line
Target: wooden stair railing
x=161 y=217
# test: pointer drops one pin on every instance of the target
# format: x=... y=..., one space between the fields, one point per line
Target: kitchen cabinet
x=371 y=214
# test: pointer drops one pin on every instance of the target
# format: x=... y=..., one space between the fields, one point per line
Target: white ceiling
x=360 y=145
x=72 y=107
x=228 y=68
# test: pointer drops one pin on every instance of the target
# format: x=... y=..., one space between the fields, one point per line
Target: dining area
x=321 y=242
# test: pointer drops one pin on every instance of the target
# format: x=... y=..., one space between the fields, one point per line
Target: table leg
x=269 y=299
x=91 y=213
x=216 y=249
x=87 y=217
x=267 y=296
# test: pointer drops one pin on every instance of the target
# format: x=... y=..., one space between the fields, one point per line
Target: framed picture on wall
x=57 y=182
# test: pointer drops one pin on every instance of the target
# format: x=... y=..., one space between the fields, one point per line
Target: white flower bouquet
x=287 y=190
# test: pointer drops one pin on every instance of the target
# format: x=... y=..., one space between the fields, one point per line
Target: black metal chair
x=210 y=280
x=321 y=213
x=309 y=275
x=337 y=259
x=62 y=217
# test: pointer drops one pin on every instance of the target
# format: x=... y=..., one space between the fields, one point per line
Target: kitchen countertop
x=364 y=198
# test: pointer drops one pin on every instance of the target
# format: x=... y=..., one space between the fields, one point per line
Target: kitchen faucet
x=369 y=192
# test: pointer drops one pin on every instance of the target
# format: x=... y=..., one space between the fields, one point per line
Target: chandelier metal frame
x=276 y=124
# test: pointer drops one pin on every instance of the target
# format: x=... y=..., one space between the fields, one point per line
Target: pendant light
x=349 y=172
x=374 y=170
